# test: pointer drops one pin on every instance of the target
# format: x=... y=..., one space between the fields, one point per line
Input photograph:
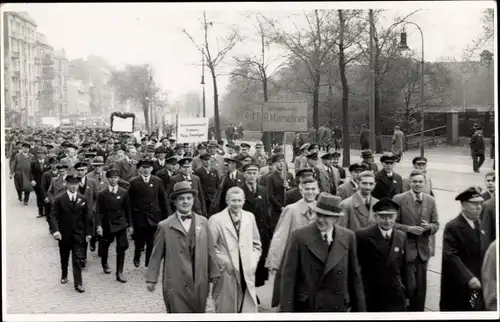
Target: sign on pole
x=284 y=117
x=192 y=129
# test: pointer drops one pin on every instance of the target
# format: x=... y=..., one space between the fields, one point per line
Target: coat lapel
x=360 y=206
x=176 y=224
x=337 y=252
x=317 y=245
x=394 y=248
x=410 y=203
x=228 y=225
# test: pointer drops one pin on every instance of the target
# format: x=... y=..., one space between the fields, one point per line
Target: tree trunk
x=378 y=118
x=317 y=79
x=216 y=106
x=346 y=159
x=268 y=142
x=145 y=109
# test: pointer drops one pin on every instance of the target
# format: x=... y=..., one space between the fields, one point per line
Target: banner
x=122 y=122
x=192 y=130
x=284 y=117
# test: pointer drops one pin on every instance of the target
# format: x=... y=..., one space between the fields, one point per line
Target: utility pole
x=203 y=81
x=372 y=84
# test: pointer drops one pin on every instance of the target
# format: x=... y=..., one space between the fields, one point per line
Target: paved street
x=32 y=260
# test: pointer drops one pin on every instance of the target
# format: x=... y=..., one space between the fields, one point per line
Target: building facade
x=19 y=65
x=60 y=82
x=78 y=97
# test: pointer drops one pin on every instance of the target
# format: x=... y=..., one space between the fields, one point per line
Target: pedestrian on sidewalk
x=20 y=168
x=184 y=243
x=398 y=143
x=477 y=149
x=71 y=225
x=364 y=137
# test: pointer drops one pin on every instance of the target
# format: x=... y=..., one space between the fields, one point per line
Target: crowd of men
x=235 y=217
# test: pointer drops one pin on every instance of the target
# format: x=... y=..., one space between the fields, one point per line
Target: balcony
x=16 y=74
x=14 y=55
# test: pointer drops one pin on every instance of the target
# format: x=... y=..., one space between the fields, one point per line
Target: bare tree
x=214 y=59
x=350 y=28
x=311 y=45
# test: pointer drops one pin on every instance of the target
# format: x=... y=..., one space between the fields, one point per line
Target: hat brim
x=386 y=212
x=476 y=199
x=98 y=163
x=326 y=212
x=175 y=194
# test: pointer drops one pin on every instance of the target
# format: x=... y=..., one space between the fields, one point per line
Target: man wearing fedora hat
x=237 y=240
x=186 y=174
x=38 y=166
x=149 y=205
x=320 y=270
x=71 y=225
x=20 y=168
x=368 y=159
x=112 y=220
x=296 y=215
x=185 y=244
x=464 y=246
x=381 y=256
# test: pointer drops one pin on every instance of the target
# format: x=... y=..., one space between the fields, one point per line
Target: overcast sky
x=151 y=33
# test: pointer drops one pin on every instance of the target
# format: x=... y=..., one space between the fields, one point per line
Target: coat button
x=339 y=272
x=337 y=292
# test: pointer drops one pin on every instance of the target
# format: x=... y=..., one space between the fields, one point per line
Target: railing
x=410 y=140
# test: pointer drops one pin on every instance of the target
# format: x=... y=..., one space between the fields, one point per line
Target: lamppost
x=404 y=46
x=203 y=80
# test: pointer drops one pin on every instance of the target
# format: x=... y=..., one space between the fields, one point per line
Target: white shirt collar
x=146 y=179
x=363 y=198
x=113 y=189
x=470 y=222
x=71 y=196
x=385 y=232
x=329 y=234
x=389 y=174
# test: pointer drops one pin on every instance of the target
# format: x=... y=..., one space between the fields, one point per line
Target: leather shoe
x=64 y=280
x=120 y=278
x=83 y=263
x=106 y=269
x=79 y=288
x=137 y=263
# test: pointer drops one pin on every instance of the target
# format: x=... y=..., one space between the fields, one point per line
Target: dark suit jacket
x=386 y=187
x=113 y=210
x=276 y=191
x=383 y=268
x=72 y=221
x=219 y=202
x=408 y=216
x=199 y=207
x=317 y=280
x=46 y=180
x=36 y=171
x=57 y=186
x=210 y=182
x=341 y=171
x=463 y=254
x=486 y=196
x=488 y=216
x=165 y=178
x=157 y=167
x=126 y=170
x=148 y=202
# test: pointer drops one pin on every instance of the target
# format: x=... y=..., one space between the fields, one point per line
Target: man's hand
x=88 y=238
x=150 y=286
x=10 y=176
x=99 y=230
x=286 y=185
x=474 y=284
x=407 y=302
x=425 y=225
x=46 y=200
x=416 y=230
x=33 y=183
x=57 y=235
x=213 y=279
x=130 y=230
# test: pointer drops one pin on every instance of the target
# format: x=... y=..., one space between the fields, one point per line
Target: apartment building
x=19 y=64
x=60 y=82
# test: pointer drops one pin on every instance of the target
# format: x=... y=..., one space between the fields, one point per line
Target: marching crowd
x=228 y=218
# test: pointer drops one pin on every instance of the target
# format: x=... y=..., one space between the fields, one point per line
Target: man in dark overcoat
x=257 y=202
x=464 y=246
x=321 y=271
x=38 y=166
x=276 y=188
x=20 y=167
x=381 y=255
x=112 y=220
x=72 y=227
x=387 y=182
x=232 y=178
x=149 y=205
x=209 y=179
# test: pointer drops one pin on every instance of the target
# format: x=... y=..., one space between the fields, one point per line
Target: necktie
x=367 y=204
x=186 y=217
x=476 y=225
x=387 y=237
x=418 y=204
x=325 y=238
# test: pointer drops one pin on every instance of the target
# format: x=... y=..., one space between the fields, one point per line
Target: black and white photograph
x=249 y=161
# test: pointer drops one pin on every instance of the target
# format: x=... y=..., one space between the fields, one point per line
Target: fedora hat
x=328 y=205
x=98 y=160
x=182 y=187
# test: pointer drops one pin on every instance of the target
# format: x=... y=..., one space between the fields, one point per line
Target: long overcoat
x=182 y=293
x=21 y=168
x=231 y=249
x=397 y=142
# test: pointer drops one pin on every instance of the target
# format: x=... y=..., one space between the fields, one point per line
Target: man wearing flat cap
x=321 y=271
x=336 y=165
x=464 y=246
x=71 y=225
x=149 y=205
x=260 y=155
x=38 y=166
x=112 y=220
x=387 y=182
x=186 y=174
x=418 y=218
x=350 y=187
x=209 y=179
x=232 y=178
x=20 y=168
x=185 y=244
x=381 y=256
x=420 y=163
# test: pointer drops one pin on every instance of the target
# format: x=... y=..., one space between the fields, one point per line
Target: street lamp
x=203 y=80
x=404 y=46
